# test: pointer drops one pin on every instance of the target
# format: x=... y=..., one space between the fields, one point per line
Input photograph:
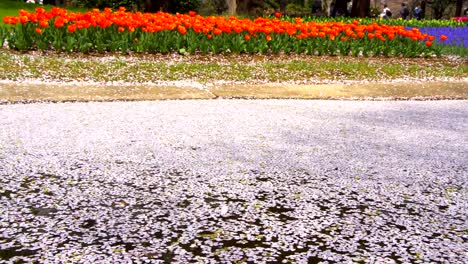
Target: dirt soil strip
x=24 y=92
x=399 y=90
x=12 y=93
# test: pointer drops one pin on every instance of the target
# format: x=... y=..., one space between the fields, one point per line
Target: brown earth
x=21 y=92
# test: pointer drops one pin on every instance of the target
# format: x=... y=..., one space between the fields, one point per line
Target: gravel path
x=226 y=181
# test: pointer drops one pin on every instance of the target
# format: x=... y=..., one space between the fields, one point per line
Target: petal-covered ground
x=226 y=181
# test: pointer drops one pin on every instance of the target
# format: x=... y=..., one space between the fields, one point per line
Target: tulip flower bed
x=453 y=39
x=456 y=36
x=122 y=31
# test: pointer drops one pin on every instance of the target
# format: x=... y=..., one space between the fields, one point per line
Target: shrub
x=184 y=6
x=129 y=4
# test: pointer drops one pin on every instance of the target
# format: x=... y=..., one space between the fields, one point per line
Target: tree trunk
x=423 y=9
x=360 y=8
x=232 y=7
x=283 y=6
x=458 y=10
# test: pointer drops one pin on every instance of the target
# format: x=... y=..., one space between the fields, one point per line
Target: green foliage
x=295 y=8
x=251 y=7
x=3 y=32
x=271 y=4
x=212 y=7
x=455 y=50
x=183 y=6
x=375 y=12
x=129 y=4
x=439 y=8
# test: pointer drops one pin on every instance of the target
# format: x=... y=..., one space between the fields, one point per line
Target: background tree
x=130 y=4
x=156 y=5
x=251 y=7
x=183 y=6
x=439 y=7
x=219 y=5
x=283 y=4
x=232 y=7
x=458 y=9
x=423 y=9
x=360 y=8
x=340 y=8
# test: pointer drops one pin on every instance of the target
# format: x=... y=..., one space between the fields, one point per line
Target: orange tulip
x=59 y=22
x=10 y=20
x=38 y=30
x=71 y=28
x=40 y=10
x=443 y=37
x=44 y=23
x=24 y=19
x=182 y=30
x=23 y=12
x=268 y=38
x=428 y=43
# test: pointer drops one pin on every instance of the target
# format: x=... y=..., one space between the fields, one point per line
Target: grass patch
x=455 y=50
x=206 y=69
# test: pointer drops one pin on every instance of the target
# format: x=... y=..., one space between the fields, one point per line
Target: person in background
x=349 y=6
x=386 y=12
x=404 y=12
x=417 y=13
